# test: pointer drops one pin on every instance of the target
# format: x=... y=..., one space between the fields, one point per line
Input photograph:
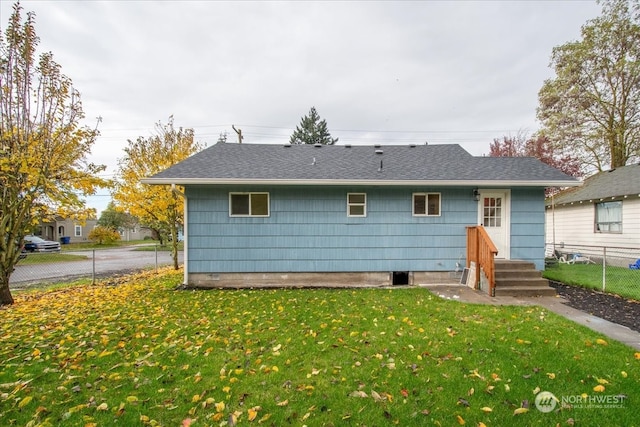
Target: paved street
x=107 y=261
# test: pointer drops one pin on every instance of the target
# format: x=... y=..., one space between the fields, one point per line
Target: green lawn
x=47 y=257
x=142 y=353
x=157 y=247
x=619 y=280
x=93 y=245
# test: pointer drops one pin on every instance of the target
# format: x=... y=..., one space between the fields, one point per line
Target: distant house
x=604 y=211
x=261 y=214
x=73 y=231
x=59 y=228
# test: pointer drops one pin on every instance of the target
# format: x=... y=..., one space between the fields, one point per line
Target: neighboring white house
x=604 y=211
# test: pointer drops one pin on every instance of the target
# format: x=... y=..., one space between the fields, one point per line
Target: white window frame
x=77 y=230
x=426 y=204
x=607 y=227
x=249 y=194
x=351 y=204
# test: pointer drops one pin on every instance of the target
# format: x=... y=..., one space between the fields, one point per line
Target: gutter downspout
x=185 y=250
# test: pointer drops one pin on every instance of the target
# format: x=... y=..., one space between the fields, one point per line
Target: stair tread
x=520 y=278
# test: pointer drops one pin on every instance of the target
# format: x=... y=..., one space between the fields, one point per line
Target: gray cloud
x=386 y=72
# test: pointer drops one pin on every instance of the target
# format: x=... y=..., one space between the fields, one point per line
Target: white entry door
x=494 y=214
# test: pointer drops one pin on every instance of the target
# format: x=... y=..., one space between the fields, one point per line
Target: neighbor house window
x=78 y=230
x=249 y=204
x=426 y=204
x=357 y=204
x=609 y=217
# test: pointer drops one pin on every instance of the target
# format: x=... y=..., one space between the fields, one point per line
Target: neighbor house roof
x=618 y=182
x=448 y=164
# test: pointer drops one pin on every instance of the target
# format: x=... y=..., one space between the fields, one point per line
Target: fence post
x=604 y=269
x=156 y=247
x=93 y=267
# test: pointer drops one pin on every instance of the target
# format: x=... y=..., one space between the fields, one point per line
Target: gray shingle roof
x=446 y=164
x=622 y=181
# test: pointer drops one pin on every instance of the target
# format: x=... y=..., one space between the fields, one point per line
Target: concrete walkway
x=554 y=304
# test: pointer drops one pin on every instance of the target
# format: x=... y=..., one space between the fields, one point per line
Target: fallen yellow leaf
x=486 y=409
x=520 y=411
x=461 y=420
x=252 y=413
x=599 y=388
x=25 y=401
x=601 y=342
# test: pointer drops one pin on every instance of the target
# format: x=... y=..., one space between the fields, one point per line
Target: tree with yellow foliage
x=43 y=148
x=159 y=207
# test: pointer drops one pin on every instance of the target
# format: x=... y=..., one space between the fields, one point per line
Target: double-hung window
x=249 y=204
x=78 y=230
x=426 y=204
x=356 y=204
x=609 y=217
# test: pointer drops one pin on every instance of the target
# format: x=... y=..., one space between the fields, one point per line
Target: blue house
x=298 y=215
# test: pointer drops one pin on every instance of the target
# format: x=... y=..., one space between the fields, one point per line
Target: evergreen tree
x=312 y=130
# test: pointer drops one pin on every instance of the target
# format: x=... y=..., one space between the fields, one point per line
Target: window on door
x=492 y=212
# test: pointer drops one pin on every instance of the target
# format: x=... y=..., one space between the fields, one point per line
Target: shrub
x=103 y=235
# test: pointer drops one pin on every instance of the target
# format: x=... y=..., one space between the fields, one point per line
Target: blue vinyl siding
x=527 y=225
x=308 y=230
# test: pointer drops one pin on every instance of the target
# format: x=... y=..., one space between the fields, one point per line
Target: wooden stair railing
x=482 y=251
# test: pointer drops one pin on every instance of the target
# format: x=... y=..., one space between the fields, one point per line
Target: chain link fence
x=608 y=269
x=40 y=268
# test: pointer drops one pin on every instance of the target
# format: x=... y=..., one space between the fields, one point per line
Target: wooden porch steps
x=520 y=279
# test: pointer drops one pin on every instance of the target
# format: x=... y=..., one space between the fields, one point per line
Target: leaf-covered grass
x=620 y=281
x=141 y=353
x=47 y=257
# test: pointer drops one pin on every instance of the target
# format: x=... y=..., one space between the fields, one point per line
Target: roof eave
x=377 y=182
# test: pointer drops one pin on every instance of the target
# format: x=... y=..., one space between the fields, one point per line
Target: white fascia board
x=325 y=182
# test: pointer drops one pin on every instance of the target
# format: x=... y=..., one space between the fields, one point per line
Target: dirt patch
x=606 y=306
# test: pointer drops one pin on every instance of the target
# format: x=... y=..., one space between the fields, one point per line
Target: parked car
x=38 y=244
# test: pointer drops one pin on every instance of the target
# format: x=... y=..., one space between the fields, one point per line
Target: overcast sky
x=394 y=72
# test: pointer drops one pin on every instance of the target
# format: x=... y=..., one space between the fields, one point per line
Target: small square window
x=426 y=204
x=356 y=204
x=249 y=204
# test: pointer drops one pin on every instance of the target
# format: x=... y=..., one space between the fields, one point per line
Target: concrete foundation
x=319 y=280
